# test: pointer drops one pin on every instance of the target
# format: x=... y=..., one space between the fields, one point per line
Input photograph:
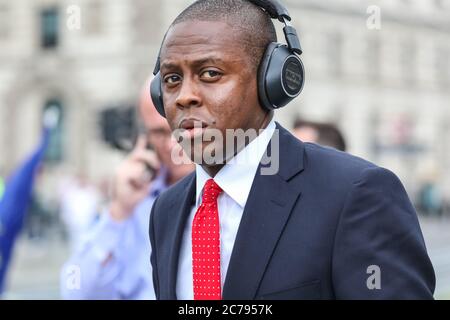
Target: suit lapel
x=266 y=213
x=180 y=217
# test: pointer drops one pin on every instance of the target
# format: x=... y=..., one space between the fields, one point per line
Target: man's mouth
x=191 y=128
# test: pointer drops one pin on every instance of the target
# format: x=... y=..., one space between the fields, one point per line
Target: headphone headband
x=278 y=11
x=274 y=8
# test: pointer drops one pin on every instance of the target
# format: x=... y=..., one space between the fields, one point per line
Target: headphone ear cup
x=281 y=77
x=156 y=94
x=262 y=73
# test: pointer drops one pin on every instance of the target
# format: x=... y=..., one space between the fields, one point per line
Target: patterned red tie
x=206 y=245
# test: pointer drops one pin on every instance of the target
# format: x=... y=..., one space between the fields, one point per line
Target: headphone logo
x=292 y=76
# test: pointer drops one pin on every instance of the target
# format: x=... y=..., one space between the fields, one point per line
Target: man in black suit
x=315 y=224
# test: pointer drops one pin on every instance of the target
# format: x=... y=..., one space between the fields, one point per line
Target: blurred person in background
x=38 y=215
x=113 y=260
x=79 y=207
x=430 y=198
x=325 y=134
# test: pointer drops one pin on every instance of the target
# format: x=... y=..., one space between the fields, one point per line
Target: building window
x=439 y=4
x=373 y=59
x=4 y=21
x=141 y=24
x=93 y=17
x=408 y=57
x=334 y=53
x=442 y=67
x=54 y=153
x=49 y=28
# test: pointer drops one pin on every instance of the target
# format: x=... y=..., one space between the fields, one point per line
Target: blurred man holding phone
x=113 y=260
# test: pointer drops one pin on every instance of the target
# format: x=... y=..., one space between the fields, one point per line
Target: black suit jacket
x=314 y=230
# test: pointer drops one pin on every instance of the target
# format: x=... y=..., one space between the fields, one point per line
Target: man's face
x=208 y=79
x=160 y=138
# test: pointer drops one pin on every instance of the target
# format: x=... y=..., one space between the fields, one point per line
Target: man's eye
x=210 y=74
x=171 y=79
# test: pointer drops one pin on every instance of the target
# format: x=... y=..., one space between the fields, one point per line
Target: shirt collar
x=236 y=177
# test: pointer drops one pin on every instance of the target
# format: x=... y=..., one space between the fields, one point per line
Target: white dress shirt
x=235 y=179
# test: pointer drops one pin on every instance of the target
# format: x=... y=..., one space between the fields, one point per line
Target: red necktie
x=206 y=245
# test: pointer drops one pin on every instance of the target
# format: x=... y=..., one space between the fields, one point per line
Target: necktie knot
x=211 y=191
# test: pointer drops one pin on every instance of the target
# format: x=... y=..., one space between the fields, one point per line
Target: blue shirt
x=113 y=260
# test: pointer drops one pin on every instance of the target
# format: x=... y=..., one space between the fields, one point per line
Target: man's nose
x=188 y=95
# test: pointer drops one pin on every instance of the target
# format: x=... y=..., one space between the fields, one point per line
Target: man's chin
x=206 y=154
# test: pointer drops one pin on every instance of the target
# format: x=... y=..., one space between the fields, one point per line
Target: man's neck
x=212 y=170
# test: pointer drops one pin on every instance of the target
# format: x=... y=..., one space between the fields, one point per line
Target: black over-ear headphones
x=281 y=73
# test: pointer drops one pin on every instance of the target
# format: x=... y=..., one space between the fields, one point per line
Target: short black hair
x=328 y=133
x=253 y=24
